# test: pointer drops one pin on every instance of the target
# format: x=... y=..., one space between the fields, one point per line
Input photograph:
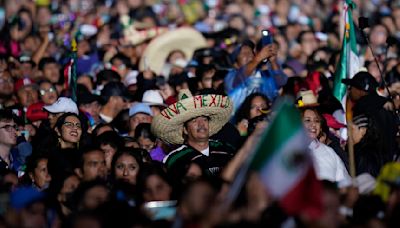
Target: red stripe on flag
x=67 y=74
x=305 y=197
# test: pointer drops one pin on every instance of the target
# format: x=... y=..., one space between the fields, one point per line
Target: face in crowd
x=197 y=129
x=8 y=133
x=93 y=166
x=70 y=131
x=126 y=168
x=40 y=175
x=156 y=189
x=139 y=118
x=258 y=104
x=312 y=123
x=27 y=95
x=6 y=84
x=48 y=93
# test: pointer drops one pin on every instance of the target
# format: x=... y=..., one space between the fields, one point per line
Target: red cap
x=35 y=112
x=23 y=82
x=332 y=122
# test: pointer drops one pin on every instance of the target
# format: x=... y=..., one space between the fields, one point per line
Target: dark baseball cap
x=363 y=81
x=115 y=89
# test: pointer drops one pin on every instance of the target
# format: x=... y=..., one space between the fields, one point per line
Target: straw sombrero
x=185 y=39
x=168 y=125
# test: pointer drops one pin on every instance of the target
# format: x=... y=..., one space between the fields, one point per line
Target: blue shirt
x=238 y=85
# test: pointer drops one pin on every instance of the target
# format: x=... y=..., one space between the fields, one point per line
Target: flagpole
x=74 y=49
x=349 y=113
x=350 y=142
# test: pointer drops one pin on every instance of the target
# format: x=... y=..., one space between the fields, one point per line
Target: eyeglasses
x=72 y=125
x=10 y=127
x=44 y=91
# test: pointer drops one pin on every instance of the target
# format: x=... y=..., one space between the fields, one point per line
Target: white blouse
x=328 y=165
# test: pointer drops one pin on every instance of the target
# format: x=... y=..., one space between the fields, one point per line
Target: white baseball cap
x=153 y=97
x=131 y=78
x=62 y=105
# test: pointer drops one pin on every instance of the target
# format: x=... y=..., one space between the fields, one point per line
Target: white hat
x=185 y=39
x=62 y=105
x=153 y=97
x=131 y=78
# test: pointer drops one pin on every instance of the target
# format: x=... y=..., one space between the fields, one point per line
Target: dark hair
x=83 y=188
x=31 y=164
x=125 y=60
x=108 y=76
x=121 y=121
x=313 y=109
x=302 y=34
x=99 y=126
x=46 y=60
x=178 y=79
x=6 y=115
x=79 y=164
x=133 y=152
x=201 y=70
x=144 y=130
x=393 y=76
x=111 y=138
x=244 y=110
x=168 y=59
x=33 y=160
x=44 y=81
x=61 y=120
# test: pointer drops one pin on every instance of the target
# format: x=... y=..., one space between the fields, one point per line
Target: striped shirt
x=219 y=155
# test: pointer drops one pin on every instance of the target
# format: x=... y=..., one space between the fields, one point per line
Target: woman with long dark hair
x=370 y=151
x=254 y=105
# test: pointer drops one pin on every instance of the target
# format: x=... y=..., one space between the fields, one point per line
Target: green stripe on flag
x=348 y=64
x=286 y=123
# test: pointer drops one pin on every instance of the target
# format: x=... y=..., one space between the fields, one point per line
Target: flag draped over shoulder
x=349 y=63
x=284 y=164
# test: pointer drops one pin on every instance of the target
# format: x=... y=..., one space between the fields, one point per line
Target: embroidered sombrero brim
x=168 y=125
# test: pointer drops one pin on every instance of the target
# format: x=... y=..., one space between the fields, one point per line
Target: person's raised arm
x=264 y=54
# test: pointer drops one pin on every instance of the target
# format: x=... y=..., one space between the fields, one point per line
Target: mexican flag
x=349 y=63
x=284 y=164
x=70 y=76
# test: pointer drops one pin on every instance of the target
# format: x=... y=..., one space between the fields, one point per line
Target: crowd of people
x=149 y=121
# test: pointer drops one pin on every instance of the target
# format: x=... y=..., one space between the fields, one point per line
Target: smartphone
x=266 y=38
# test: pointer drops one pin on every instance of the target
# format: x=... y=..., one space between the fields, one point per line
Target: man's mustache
x=201 y=129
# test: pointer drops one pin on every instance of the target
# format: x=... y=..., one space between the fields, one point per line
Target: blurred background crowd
x=96 y=161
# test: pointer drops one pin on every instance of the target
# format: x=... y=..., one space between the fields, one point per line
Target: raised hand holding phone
x=266 y=38
x=266 y=41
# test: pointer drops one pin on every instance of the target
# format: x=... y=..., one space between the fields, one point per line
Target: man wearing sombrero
x=190 y=122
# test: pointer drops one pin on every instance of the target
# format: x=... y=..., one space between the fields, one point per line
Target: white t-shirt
x=328 y=165
x=206 y=151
